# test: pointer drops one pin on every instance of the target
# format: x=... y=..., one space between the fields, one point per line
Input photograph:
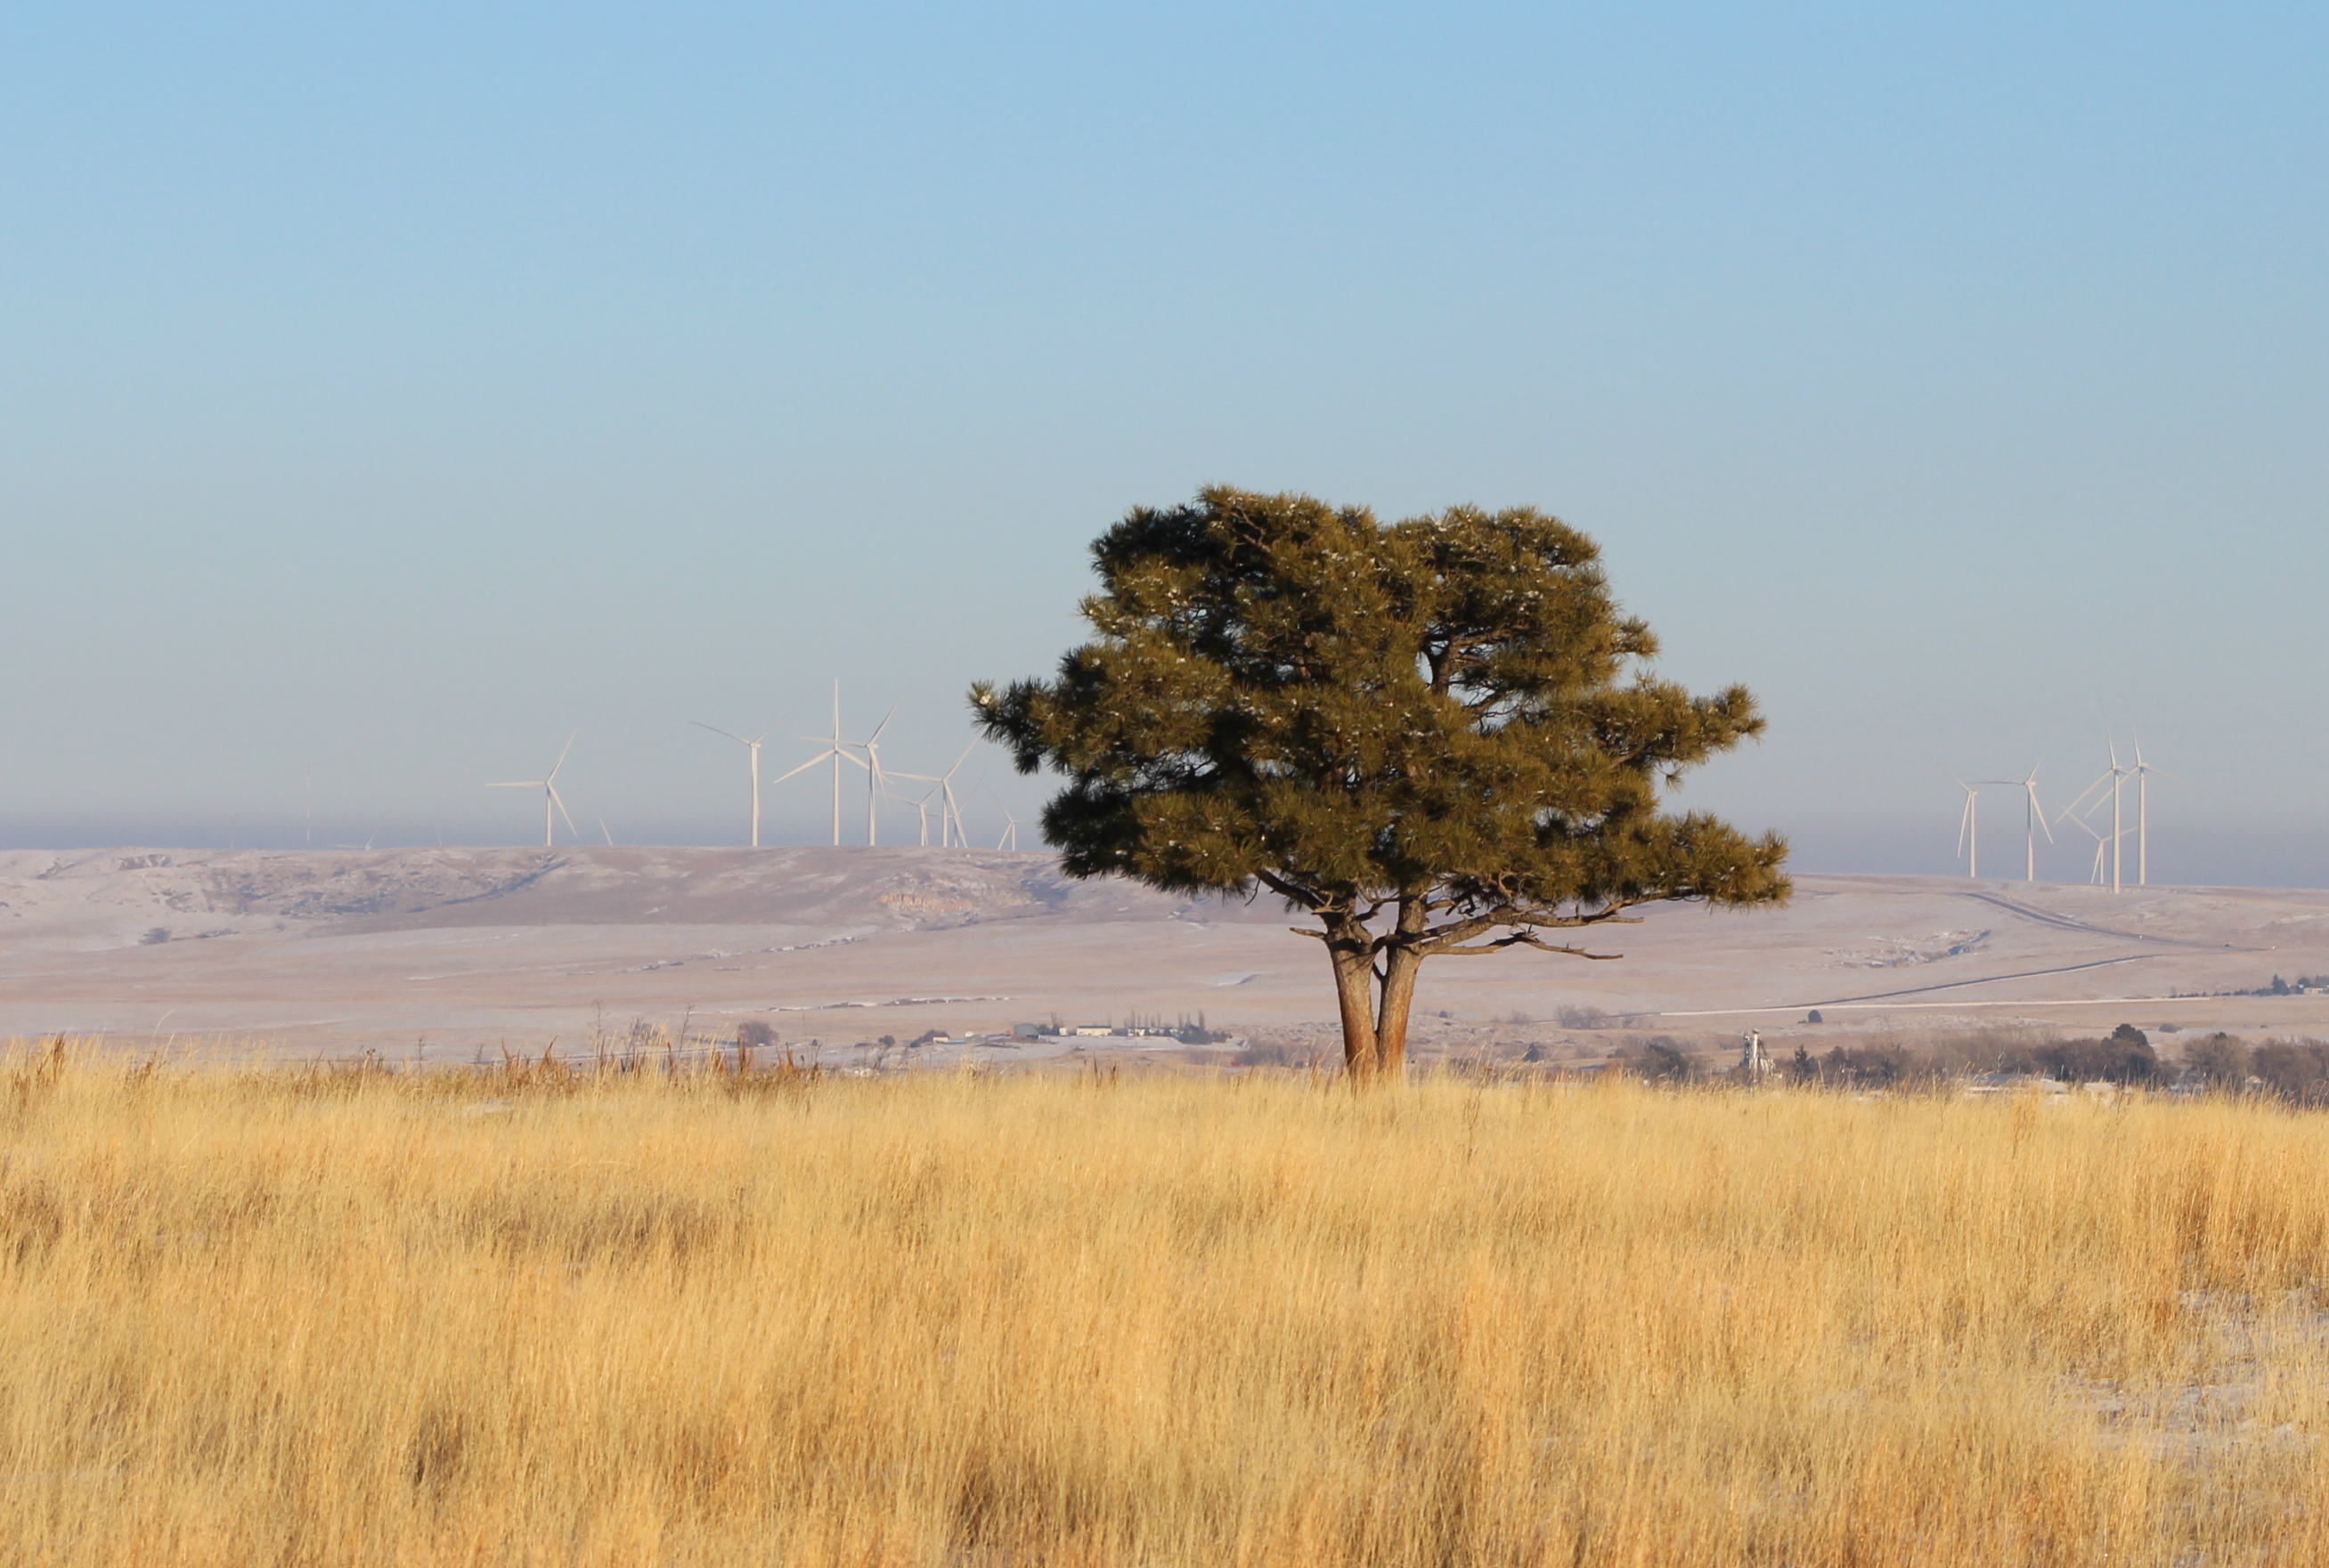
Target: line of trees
x=2293 y=1070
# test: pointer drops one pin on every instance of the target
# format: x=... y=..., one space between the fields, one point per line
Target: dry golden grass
x=359 y=1318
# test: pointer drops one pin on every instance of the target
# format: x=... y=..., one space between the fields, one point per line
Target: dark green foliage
x=1445 y=720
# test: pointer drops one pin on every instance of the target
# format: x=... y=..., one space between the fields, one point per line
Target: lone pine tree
x=1438 y=736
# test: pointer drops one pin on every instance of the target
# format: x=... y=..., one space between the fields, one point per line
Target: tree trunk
x=1402 y=960
x=1350 y=946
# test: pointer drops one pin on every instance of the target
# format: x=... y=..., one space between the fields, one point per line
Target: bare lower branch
x=1520 y=938
x=1293 y=893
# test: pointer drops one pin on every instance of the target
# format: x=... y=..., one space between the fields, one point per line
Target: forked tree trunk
x=1374 y=1030
x=1350 y=946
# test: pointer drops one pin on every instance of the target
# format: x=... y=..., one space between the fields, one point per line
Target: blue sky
x=389 y=392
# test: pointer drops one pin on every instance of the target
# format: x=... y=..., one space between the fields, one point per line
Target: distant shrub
x=1875 y=1066
x=1582 y=1018
x=753 y=1035
x=2125 y=1057
x=1658 y=1060
x=1970 y=1053
x=2219 y=1061
x=2294 y=1070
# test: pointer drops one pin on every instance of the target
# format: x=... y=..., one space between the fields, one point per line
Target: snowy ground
x=446 y=952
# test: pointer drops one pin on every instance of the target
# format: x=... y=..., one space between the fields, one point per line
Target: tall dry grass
x=358 y=1319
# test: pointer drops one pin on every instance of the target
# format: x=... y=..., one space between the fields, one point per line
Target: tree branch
x=1524 y=938
x=1289 y=891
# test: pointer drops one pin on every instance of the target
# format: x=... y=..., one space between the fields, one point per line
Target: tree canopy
x=1438 y=736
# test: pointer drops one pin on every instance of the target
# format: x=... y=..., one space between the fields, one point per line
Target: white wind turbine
x=871 y=746
x=2094 y=876
x=2116 y=780
x=2034 y=820
x=834 y=749
x=548 y=788
x=1970 y=825
x=953 y=808
x=2143 y=772
x=752 y=747
x=1009 y=838
x=921 y=803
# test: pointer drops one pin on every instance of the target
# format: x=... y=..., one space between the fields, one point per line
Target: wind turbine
x=833 y=749
x=1970 y=826
x=953 y=809
x=921 y=803
x=752 y=747
x=2143 y=772
x=548 y=788
x=2033 y=819
x=1009 y=838
x=871 y=746
x=2115 y=778
x=2118 y=776
x=2095 y=876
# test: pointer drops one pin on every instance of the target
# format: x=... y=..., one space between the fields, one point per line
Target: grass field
x=341 y=1318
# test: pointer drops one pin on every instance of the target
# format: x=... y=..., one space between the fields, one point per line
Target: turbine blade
x=716 y=729
x=562 y=756
x=804 y=767
x=884 y=724
x=562 y=809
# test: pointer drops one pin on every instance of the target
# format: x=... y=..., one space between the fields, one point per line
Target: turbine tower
x=1970 y=826
x=2114 y=778
x=2034 y=820
x=2143 y=772
x=2118 y=829
x=871 y=746
x=1009 y=838
x=834 y=749
x=548 y=788
x=2094 y=876
x=752 y=747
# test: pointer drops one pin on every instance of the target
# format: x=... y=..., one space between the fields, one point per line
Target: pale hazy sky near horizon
x=390 y=392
